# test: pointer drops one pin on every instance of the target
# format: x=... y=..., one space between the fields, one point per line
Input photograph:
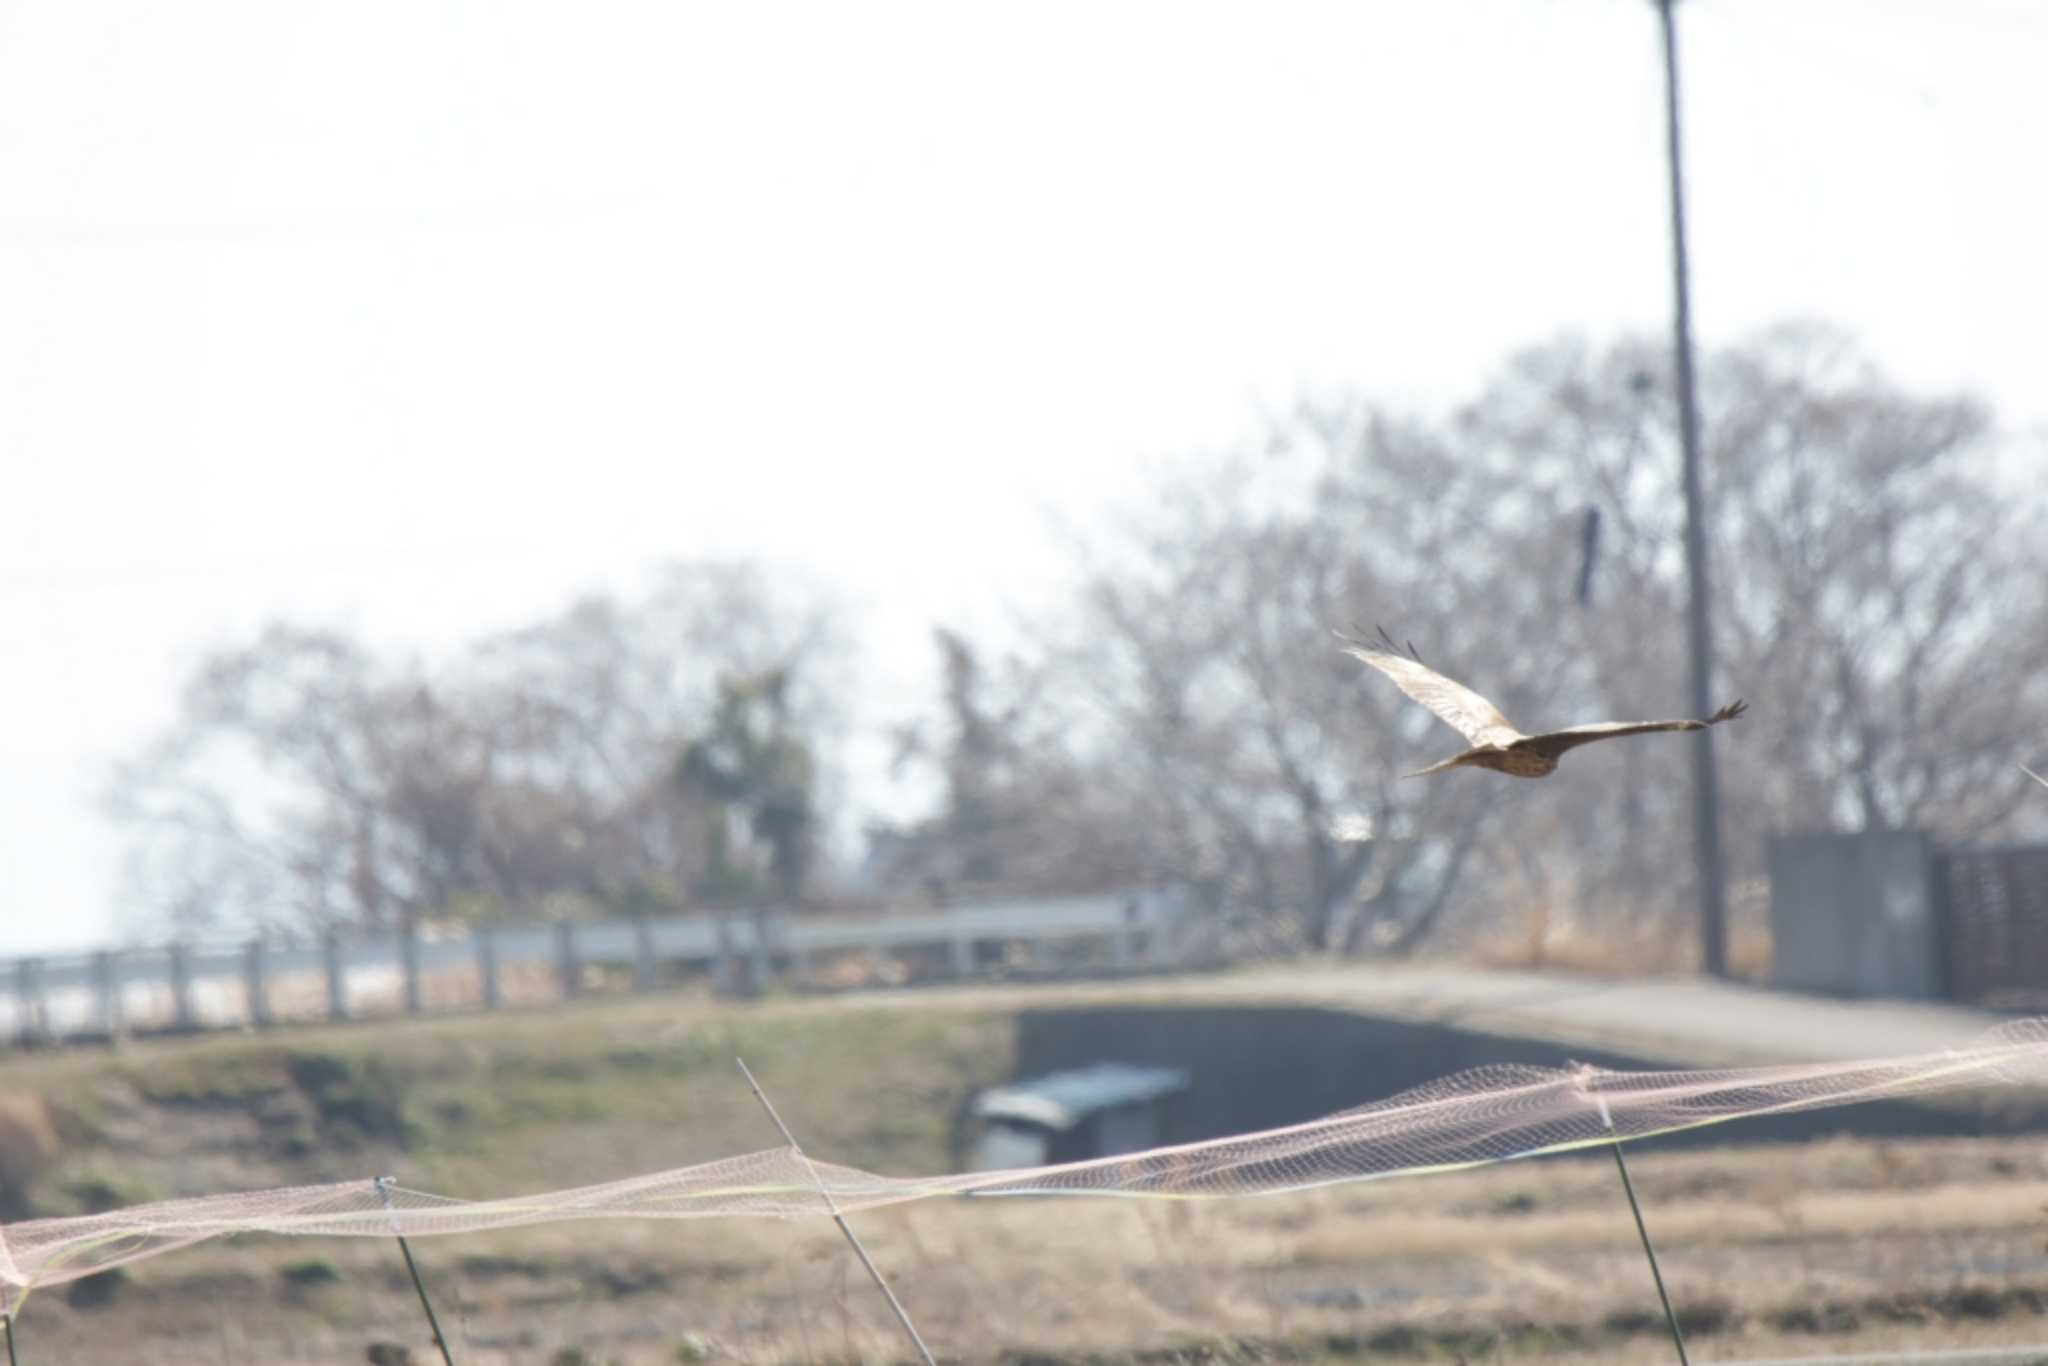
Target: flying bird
x=1496 y=744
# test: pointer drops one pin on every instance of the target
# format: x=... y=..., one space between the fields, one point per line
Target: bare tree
x=310 y=784
x=1881 y=606
x=1255 y=756
x=1876 y=596
x=1016 y=810
x=305 y=714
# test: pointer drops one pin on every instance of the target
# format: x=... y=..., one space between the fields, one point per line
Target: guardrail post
x=759 y=965
x=565 y=959
x=1166 y=922
x=257 y=990
x=106 y=980
x=1123 y=940
x=646 y=969
x=725 y=976
x=34 y=1021
x=487 y=963
x=409 y=959
x=183 y=1016
x=337 y=979
x=963 y=953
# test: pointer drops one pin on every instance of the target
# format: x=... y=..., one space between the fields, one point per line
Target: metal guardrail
x=259 y=983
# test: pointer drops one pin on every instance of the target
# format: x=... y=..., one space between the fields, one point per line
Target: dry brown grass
x=1821 y=1246
x=1618 y=945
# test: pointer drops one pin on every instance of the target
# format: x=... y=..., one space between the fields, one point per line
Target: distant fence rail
x=265 y=982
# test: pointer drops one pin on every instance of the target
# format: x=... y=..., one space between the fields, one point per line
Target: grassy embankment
x=1819 y=1247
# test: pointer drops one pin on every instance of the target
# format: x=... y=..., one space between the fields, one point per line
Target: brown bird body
x=1496 y=744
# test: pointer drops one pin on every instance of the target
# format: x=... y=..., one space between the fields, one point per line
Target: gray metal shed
x=1095 y=1111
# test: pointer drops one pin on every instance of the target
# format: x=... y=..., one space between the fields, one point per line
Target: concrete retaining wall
x=1261 y=1067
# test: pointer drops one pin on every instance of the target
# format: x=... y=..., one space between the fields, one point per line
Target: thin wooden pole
x=1706 y=799
x=413 y=1270
x=902 y=1316
x=1642 y=1229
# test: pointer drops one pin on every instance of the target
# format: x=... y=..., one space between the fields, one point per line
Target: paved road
x=1691 y=1021
x=1683 y=1021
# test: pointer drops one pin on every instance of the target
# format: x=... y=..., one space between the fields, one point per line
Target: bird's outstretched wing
x=1465 y=711
x=1556 y=742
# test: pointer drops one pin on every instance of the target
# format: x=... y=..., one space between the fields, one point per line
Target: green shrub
x=304 y=1275
x=97 y=1290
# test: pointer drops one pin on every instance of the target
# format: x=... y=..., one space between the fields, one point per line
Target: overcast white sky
x=426 y=317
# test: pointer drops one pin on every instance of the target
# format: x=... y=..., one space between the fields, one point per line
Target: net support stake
x=413 y=1270
x=832 y=1206
x=1642 y=1229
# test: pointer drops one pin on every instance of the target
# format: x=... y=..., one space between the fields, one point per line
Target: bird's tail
x=1452 y=762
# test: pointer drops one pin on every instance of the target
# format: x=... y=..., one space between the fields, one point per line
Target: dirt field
x=1832 y=1245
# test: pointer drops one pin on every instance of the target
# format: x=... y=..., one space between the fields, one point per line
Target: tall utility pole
x=1706 y=798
